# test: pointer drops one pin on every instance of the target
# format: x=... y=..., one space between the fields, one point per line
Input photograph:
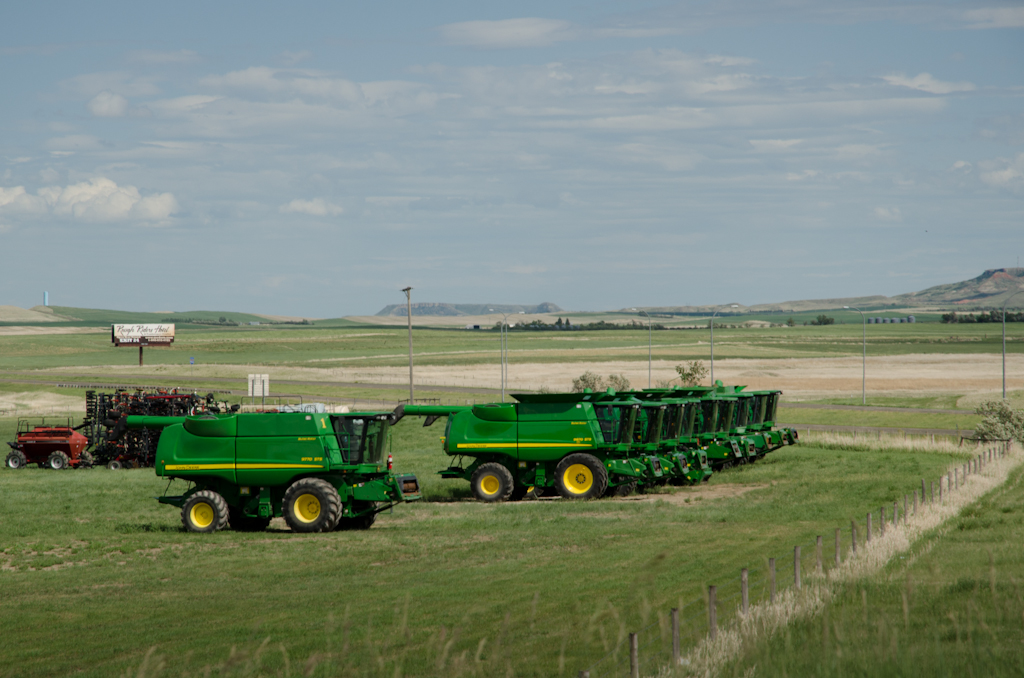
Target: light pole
x=408 y=315
x=648 y=347
x=713 y=338
x=504 y=349
x=864 y=357
x=1004 y=339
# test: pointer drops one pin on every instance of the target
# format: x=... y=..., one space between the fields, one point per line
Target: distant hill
x=988 y=290
x=441 y=309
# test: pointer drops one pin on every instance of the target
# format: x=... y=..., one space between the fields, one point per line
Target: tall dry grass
x=870 y=442
x=765 y=619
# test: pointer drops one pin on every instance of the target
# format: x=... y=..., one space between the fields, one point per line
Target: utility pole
x=408 y=315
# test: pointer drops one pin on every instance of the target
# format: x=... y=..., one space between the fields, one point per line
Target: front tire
x=58 y=461
x=581 y=476
x=205 y=512
x=16 y=460
x=311 y=505
x=492 y=482
x=85 y=460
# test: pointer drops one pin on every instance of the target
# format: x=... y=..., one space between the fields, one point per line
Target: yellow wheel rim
x=307 y=508
x=578 y=478
x=490 y=485
x=201 y=514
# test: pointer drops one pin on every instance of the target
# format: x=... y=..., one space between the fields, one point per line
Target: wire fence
x=724 y=606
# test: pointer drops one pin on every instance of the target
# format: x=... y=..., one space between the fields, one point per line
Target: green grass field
x=951 y=607
x=93 y=572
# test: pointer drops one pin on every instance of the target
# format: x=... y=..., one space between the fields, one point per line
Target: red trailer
x=49 y=446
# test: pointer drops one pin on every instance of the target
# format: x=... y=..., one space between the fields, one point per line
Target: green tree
x=692 y=373
x=1001 y=422
x=587 y=380
x=618 y=382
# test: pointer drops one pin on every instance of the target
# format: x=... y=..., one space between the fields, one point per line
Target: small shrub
x=618 y=382
x=692 y=373
x=588 y=380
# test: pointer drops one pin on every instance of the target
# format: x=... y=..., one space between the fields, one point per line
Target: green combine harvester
x=320 y=472
x=588 y=445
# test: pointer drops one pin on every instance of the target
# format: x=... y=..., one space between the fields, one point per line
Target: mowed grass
x=373 y=345
x=797 y=416
x=952 y=607
x=94 y=573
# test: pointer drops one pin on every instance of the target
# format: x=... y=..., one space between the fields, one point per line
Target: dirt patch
x=40 y=403
x=697 y=493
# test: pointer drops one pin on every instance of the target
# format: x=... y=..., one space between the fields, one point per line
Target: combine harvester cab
x=320 y=472
x=761 y=422
x=687 y=461
x=580 y=445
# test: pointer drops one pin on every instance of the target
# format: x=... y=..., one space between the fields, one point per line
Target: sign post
x=142 y=335
x=191 y=363
x=259 y=385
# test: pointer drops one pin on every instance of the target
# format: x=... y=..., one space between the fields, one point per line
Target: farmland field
x=94 y=574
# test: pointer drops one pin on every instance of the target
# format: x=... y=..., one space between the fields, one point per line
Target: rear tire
x=85 y=460
x=311 y=505
x=492 y=482
x=205 y=512
x=16 y=460
x=58 y=461
x=242 y=523
x=581 y=476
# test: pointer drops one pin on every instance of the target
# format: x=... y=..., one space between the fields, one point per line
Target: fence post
x=675 y=636
x=743 y=590
x=867 y=536
x=924 y=491
x=771 y=579
x=881 y=522
x=712 y=612
x=839 y=553
x=853 y=537
x=634 y=656
x=796 y=567
x=584 y=674
x=818 y=550
x=931 y=499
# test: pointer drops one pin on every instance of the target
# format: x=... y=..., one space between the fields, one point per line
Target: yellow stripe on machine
x=232 y=467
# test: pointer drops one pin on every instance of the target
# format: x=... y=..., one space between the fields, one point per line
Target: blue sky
x=315 y=158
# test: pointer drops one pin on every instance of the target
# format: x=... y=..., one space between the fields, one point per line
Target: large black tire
x=205 y=511
x=85 y=460
x=311 y=505
x=363 y=522
x=581 y=476
x=58 y=461
x=114 y=465
x=15 y=460
x=519 y=492
x=623 y=490
x=492 y=482
x=242 y=523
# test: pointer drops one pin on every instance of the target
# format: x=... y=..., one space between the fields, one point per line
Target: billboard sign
x=142 y=335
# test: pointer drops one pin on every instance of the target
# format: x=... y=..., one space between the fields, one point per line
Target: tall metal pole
x=864 y=356
x=648 y=348
x=713 y=338
x=408 y=315
x=1004 y=339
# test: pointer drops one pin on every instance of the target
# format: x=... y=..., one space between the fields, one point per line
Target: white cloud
x=318 y=207
x=774 y=144
x=526 y=32
x=800 y=176
x=926 y=83
x=108 y=105
x=961 y=166
x=98 y=199
x=117 y=82
x=888 y=214
x=995 y=17
x=1004 y=173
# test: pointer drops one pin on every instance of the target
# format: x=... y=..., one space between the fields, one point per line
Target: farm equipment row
x=588 y=445
x=99 y=439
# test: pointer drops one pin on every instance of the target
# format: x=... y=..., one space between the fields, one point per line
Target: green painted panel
x=283 y=424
